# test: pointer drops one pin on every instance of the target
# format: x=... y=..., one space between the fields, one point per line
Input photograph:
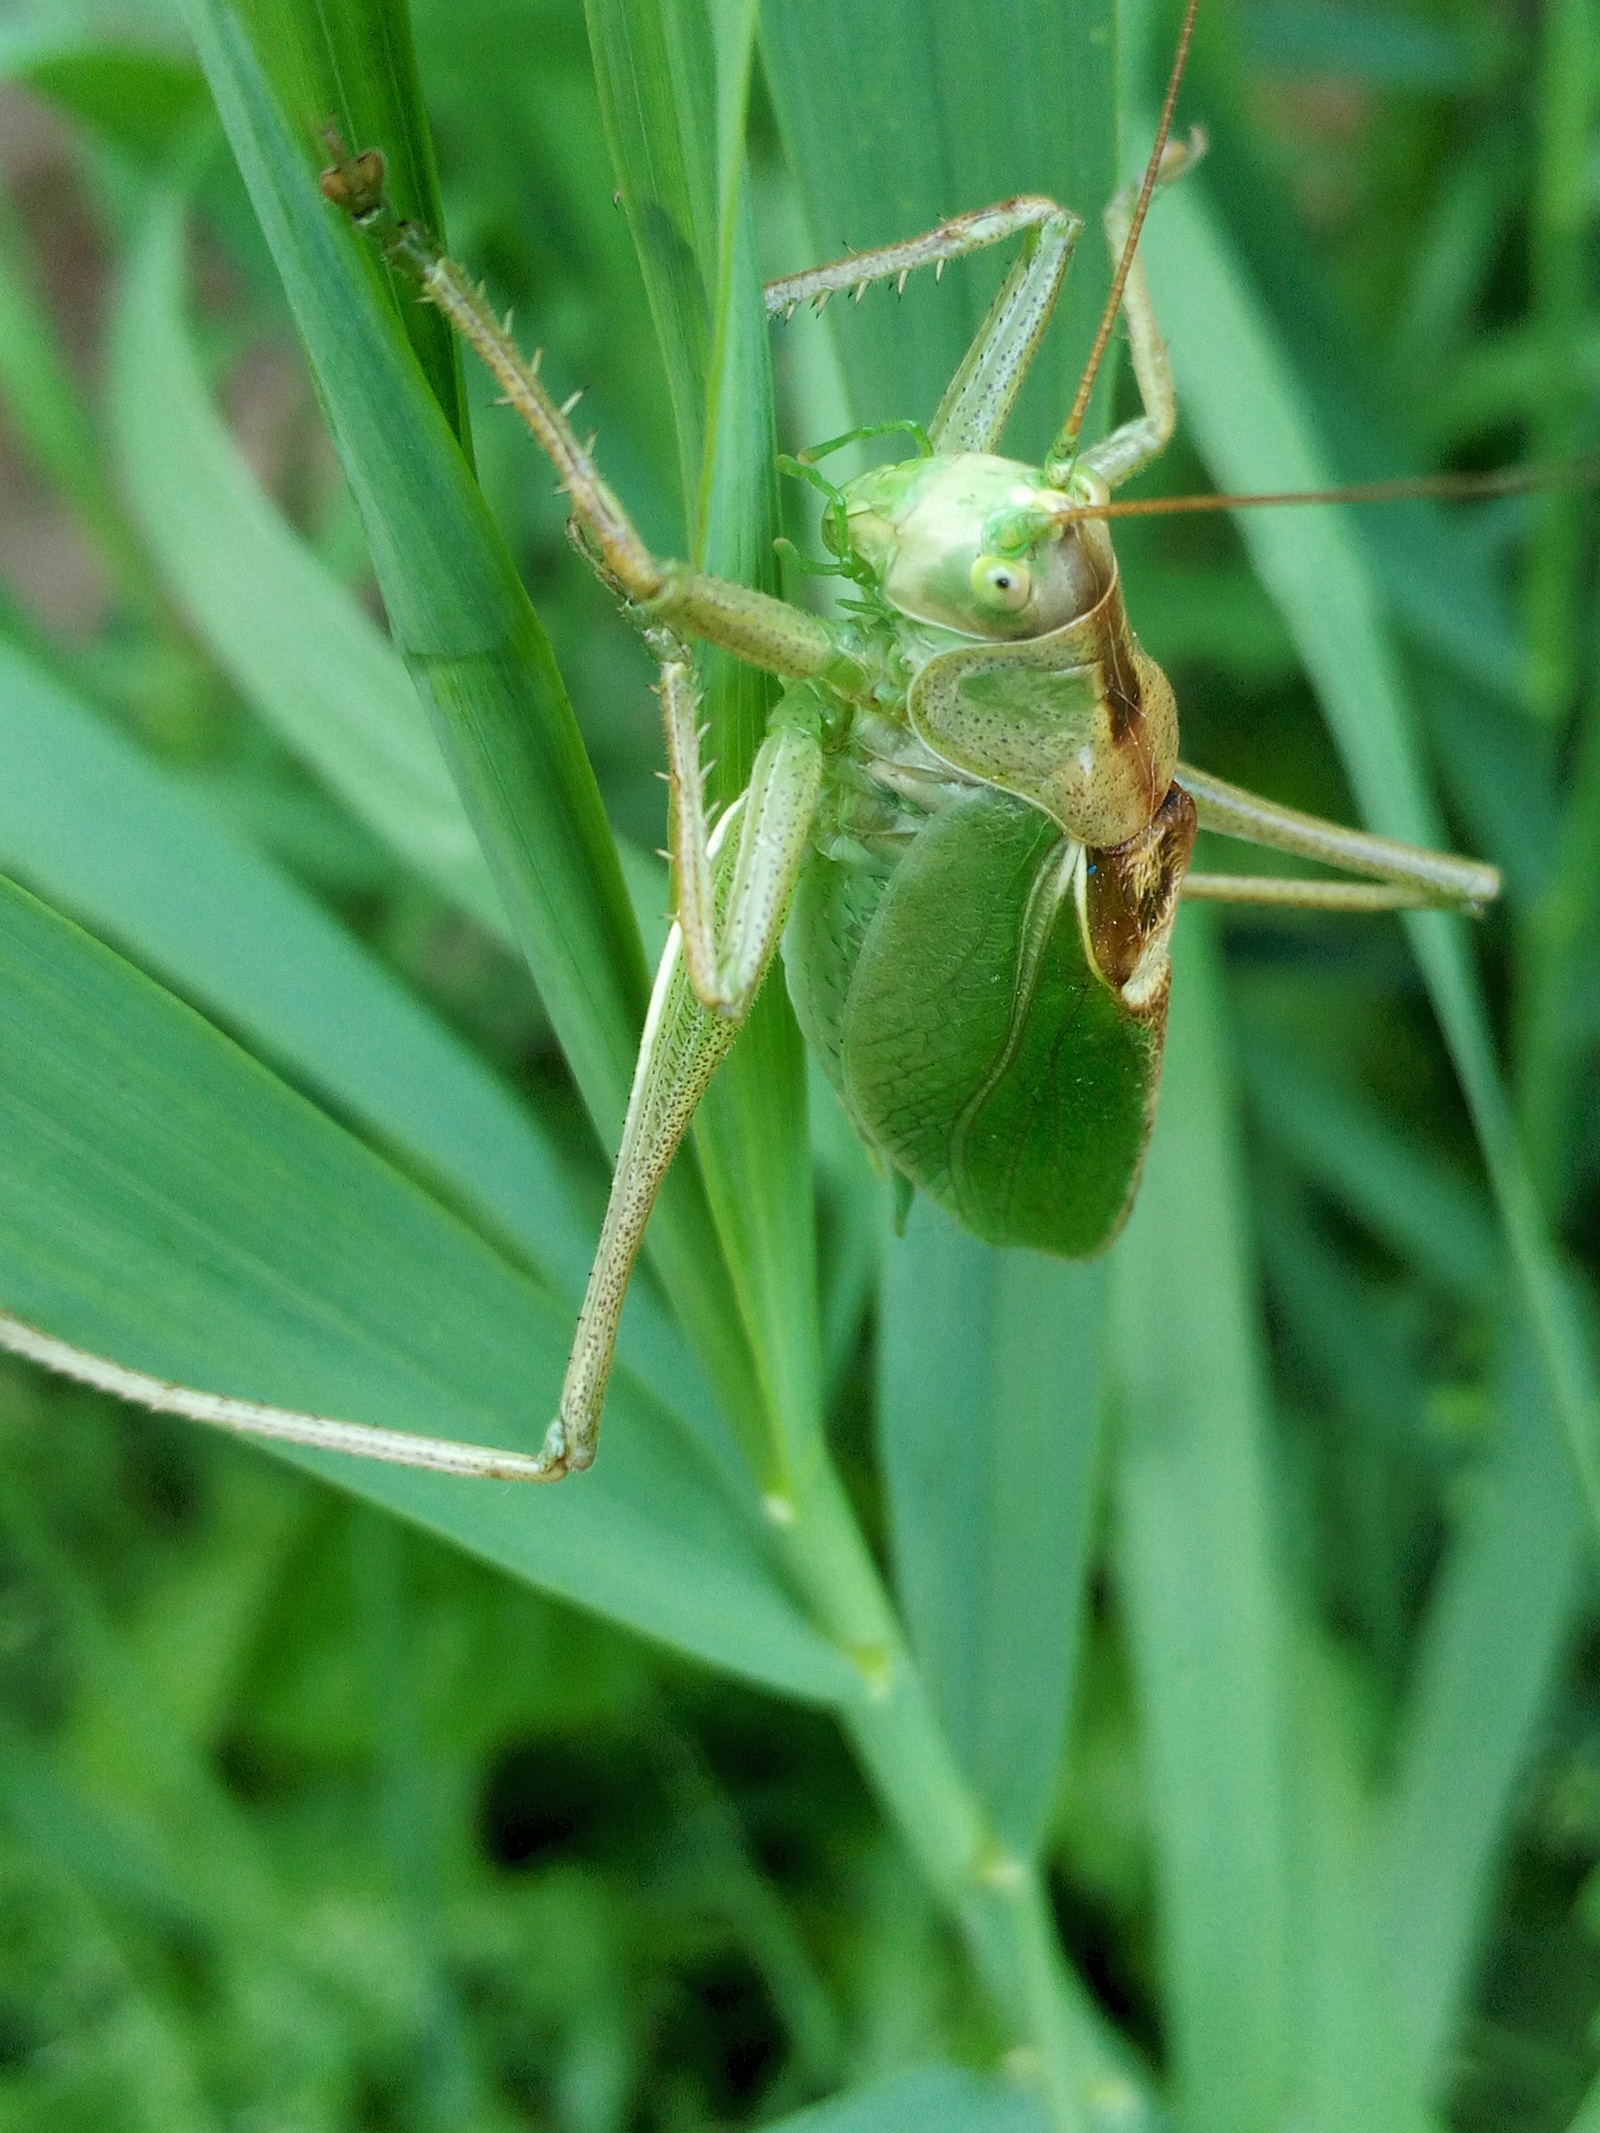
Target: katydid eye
x=998 y=583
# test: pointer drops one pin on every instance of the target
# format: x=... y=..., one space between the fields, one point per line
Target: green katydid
x=967 y=824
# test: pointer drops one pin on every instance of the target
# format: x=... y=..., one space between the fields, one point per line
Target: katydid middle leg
x=734 y=890
x=727 y=958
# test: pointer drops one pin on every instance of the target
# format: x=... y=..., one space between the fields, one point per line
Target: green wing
x=980 y=1052
x=834 y=905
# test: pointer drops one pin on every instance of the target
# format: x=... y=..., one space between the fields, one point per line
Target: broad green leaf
x=163 y=878
x=1200 y=1582
x=989 y=1383
x=330 y=684
x=173 y=1205
x=1249 y=416
x=900 y=114
x=1491 y=1647
x=462 y=621
x=930 y=2099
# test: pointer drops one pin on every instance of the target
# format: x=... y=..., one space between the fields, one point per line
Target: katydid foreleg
x=979 y=398
x=952 y=239
x=983 y=391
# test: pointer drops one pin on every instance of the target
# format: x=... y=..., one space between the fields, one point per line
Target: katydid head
x=973 y=543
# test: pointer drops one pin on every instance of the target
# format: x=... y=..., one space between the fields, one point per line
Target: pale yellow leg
x=1402 y=876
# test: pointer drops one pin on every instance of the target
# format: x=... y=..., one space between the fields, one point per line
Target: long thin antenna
x=1505 y=481
x=1119 y=281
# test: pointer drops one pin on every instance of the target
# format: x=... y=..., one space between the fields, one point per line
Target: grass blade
x=1435 y=1220
x=457 y=611
x=1356 y=2072
x=957 y=118
x=1491 y=1645
x=989 y=1383
x=981 y=1404
x=1198 y=1579
x=43 y=402
x=1436 y=576
x=355 y=65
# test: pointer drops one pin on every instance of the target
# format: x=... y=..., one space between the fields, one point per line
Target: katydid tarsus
x=967 y=824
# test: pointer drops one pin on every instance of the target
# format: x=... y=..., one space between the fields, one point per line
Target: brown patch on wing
x=1131 y=900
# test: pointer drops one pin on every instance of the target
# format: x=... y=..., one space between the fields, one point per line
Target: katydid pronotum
x=967 y=824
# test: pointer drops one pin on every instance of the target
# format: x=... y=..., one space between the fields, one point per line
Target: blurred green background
x=310 y=1820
